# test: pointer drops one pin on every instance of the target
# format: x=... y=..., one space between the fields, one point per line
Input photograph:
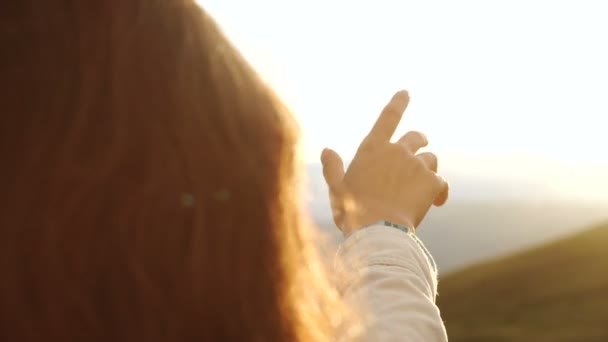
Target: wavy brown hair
x=148 y=183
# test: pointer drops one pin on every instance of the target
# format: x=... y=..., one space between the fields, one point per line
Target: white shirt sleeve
x=391 y=279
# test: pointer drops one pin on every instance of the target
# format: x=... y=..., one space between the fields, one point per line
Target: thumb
x=333 y=168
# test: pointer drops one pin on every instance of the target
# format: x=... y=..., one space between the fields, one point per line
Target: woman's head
x=148 y=182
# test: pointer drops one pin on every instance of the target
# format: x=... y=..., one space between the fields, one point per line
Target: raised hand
x=385 y=181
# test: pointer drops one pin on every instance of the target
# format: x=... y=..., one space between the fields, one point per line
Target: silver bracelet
x=404 y=229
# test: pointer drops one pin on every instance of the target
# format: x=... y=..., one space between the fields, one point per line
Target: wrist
x=353 y=223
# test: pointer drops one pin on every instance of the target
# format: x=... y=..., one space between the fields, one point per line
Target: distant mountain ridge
x=462 y=188
x=482 y=219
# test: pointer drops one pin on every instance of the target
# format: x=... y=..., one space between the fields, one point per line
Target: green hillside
x=558 y=292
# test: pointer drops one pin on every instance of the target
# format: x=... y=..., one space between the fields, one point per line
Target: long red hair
x=148 y=183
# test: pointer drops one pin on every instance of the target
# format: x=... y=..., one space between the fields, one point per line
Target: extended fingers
x=389 y=119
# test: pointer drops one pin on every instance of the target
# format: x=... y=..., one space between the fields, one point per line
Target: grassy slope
x=558 y=292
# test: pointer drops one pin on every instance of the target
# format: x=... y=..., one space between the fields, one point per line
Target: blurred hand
x=385 y=181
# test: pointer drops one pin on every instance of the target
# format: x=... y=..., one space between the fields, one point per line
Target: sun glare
x=486 y=79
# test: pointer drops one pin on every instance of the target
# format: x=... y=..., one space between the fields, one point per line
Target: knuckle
x=368 y=143
x=398 y=150
x=418 y=165
x=430 y=159
x=406 y=150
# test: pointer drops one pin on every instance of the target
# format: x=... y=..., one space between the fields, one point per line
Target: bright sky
x=524 y=80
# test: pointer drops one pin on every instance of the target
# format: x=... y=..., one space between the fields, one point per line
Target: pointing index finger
x=389 y=119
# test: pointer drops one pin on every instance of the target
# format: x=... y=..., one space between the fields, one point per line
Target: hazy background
x=512 y=95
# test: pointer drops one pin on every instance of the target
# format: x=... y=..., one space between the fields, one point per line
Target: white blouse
x=389 y=276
